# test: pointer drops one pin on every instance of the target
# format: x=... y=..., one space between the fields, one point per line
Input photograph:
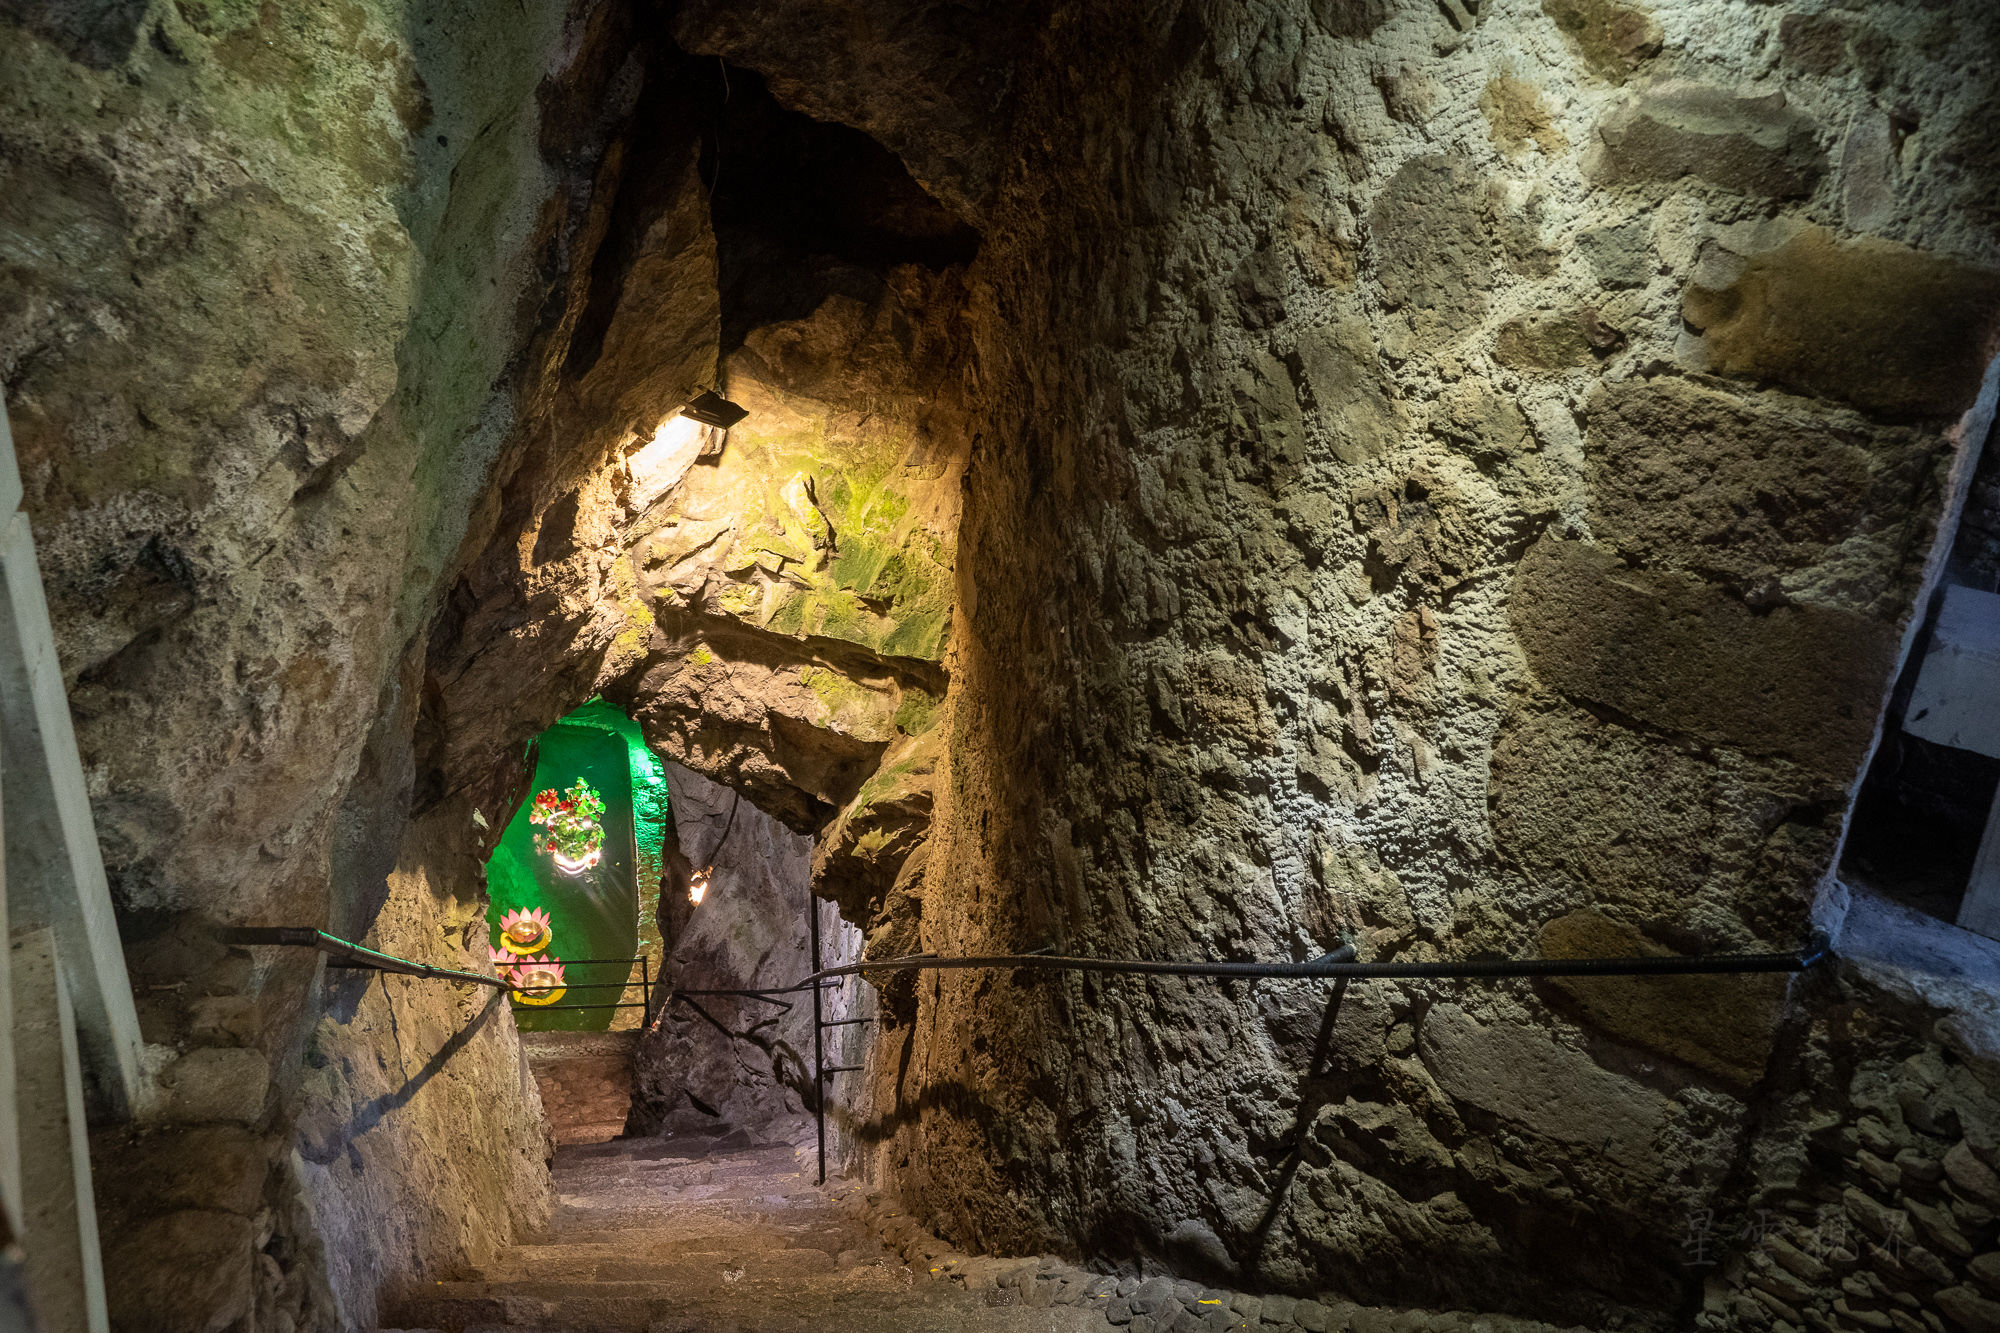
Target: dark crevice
x=804 y=209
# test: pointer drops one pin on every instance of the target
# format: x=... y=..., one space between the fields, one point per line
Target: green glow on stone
x=595 y=914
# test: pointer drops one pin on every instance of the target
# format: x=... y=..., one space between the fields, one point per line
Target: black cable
x=729 y=824
x=1327 y=966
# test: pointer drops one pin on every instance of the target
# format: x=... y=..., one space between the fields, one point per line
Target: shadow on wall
x=322 y=1150
x=718 y=1062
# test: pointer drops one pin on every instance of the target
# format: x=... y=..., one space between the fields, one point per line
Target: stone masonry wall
x=1452 y=477
x=1881 y=1214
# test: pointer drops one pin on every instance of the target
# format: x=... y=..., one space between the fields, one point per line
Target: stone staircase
x=719 y=1236
x=729 y=1235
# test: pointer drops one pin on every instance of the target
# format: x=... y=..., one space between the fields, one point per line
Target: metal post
x=646 y=980
x=819 y=1038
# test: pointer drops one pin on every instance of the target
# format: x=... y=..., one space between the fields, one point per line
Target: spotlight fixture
x=698 y=884
x=712 y=409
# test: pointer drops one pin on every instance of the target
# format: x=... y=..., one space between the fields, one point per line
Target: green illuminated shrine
x=585 y=911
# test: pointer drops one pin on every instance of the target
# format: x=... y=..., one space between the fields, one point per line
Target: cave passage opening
x=576 y=921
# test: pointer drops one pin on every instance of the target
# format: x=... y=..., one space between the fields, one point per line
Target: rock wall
x=770 y=605
x=1869 y=1198
x=715 y=1063
x=336 y=343
x=264 y=277
x=1452 y=477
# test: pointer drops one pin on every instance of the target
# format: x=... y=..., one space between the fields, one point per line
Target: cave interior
x=1391 y=608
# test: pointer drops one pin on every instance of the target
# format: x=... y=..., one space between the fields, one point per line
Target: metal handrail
x=1340 y=964
x=351 y=954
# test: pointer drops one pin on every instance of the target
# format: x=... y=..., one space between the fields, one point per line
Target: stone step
x=652 y=1307
x=651 y=1248
x=695 y=1269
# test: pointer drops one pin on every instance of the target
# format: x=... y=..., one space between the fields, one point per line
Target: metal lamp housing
x=712 y=409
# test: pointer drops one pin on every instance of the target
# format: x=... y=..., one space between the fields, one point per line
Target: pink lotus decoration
x=538 y=980
x=525 y=931
x=503 y=962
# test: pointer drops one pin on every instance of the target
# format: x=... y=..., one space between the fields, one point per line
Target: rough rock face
x=262 y=276
x=338 y=347
x=713 y=1063
x=770 y=606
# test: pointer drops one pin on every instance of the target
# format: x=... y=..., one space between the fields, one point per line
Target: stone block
x=1918 y=1170
x=1620 y=255
x=208 y=1168
x=1814 y=43
x=1342 y=384
x=185 y=1272
x=1523 y=1075
x=1969 y=1310
x=1882 y=1222
x=210 y=1084
x=1544 y=341
x=1613 y=38
x=1970 y=1175
x=1937 y=1228
x=1433 y=250
x=1724 y=1026
x=1572 y=796
x=1481 y=422
x=1750 y=144
x=1893 y=330
x=223 y=1020
x=1685 y=656
x=1518 y=117
x=1752 y=491
x=1885 y=1176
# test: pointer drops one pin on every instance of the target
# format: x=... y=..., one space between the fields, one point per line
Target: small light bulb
x=698 y=884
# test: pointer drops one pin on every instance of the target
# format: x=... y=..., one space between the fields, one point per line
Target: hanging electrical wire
x=698 y=881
